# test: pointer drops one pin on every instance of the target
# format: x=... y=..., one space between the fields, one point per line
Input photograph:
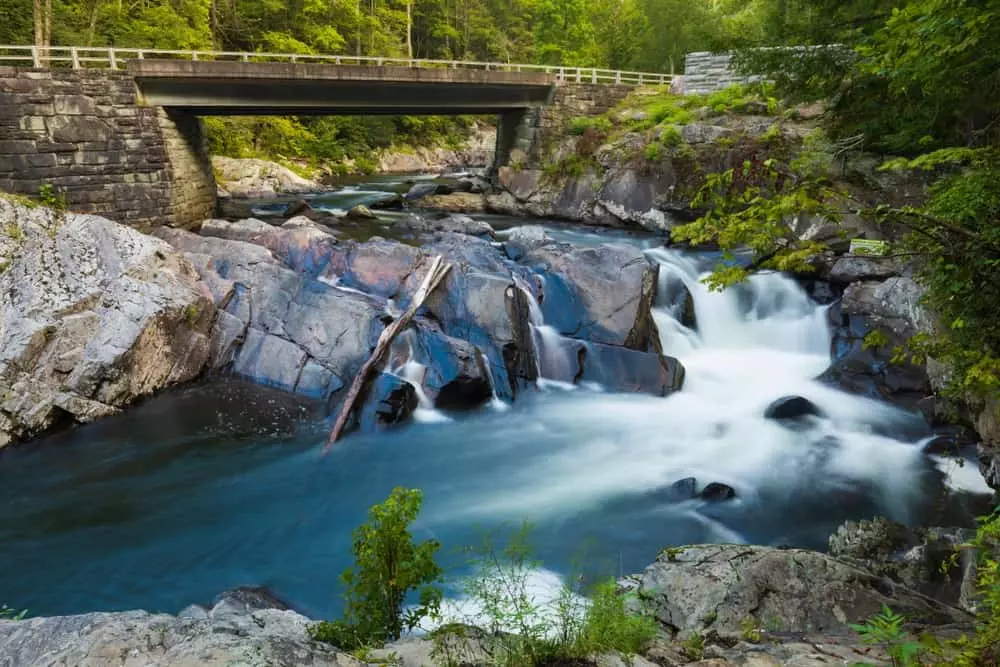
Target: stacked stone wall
x=707 y=72
x=82 y=133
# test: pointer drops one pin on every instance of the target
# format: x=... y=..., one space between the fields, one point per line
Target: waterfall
x=553 y=362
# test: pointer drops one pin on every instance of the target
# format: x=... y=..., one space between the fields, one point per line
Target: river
x=222 y=484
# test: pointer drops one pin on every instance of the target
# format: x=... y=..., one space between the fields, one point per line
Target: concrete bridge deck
x=240 y=88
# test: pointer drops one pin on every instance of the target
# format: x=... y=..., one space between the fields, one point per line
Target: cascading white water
x=552 y=361
x=752 y=344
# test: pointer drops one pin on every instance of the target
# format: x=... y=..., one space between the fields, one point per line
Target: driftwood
x=437 y=272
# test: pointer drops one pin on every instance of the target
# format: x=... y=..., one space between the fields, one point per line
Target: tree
x=388 y=565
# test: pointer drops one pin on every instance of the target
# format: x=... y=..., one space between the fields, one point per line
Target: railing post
x=593 y=75
x=640 y=78
x=454 y=64
x=378 y=62
x=112 y=59
x=36 y=62
x=74 y=57
x=618 y=76
x=294 y=59
x=562 y=74
x=245 y=57
x=194 y=55
x=140 y=55
x=336 y=60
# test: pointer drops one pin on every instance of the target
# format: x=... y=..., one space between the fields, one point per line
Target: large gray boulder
x=229 y=634
x=602 y=294
x=93 y=315
x=893 y=303
x=251 y=177
x=720 y=587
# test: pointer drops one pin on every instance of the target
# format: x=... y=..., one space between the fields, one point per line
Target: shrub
x=388 y=565
x=671 y=136
x=609 y=626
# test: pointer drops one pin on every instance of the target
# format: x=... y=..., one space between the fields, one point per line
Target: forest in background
x=646 y=35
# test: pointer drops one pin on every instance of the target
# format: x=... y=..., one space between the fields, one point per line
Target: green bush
x=518 y=630
x=609 y=626
x=8 y=614
x=654 y=150
x=388 y=565
x=671 y=136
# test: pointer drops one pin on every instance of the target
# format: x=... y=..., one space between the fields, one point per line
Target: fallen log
x=435 y=274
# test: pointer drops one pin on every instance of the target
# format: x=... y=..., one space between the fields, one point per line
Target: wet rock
x=684 y=489
x=455 y=223
x=717 y=492
x=699 y=133
x=93 y=315
x=521 y=240
x=390 y=400
x=451 y=372
x=894 y=304
x=421 y=190
x=603 y=294
x=716 y=588
x=871 y=371
x=297 y=207
x=625 y=370
x=360 y=212
x=392 y=203
x=789 y=408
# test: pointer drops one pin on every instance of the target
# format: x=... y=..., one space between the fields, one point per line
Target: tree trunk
x=409 y=29
x=48 y=23
x=92 y=28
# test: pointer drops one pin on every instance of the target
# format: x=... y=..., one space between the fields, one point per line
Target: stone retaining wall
x=83 y=133
x=707 y=72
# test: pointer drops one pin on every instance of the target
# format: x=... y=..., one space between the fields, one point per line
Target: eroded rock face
x=717 y=587
x=301 y=310
x=93 y=315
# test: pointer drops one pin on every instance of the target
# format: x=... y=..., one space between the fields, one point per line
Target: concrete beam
x=238 y=88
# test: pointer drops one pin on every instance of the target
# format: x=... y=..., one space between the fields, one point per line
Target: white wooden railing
x=79 y=57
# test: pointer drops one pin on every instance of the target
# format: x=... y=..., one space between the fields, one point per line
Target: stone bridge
x=118 y=133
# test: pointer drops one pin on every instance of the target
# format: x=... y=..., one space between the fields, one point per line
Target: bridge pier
x=82 y=133
x=515 y=130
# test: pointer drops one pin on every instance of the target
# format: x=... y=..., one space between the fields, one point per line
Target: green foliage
x=886 y=628
x=750 y=630
x=388 y=565
x=983 y=648
x=694 y=646
x=670 y=136
x=520 y=631
x=609 y=626
x=48 y=196
x=754 y=208
x=583 y=124
x=8 y=614
x=653 y=151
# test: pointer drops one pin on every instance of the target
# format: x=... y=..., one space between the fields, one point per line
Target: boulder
x=455 y=223
x=603 y=294
x=521 y=240
x=716 y=492
x=241 y=230
x=250 y=177
x=297 y=207
x=920 y=559
x=718 y=587
x=420 y=190
x=684 y=489
x=624 y=370
x=458 y=202
x=229 y=634
x=93 y=315
x=390 y=400
x=790 y=408
x=852 y=268
x=360 y=212
x=893 y=303
x=391 y=203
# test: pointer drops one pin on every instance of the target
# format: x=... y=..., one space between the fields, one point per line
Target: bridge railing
x=81 y=57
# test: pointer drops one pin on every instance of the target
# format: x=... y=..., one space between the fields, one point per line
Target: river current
x=221 y=484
